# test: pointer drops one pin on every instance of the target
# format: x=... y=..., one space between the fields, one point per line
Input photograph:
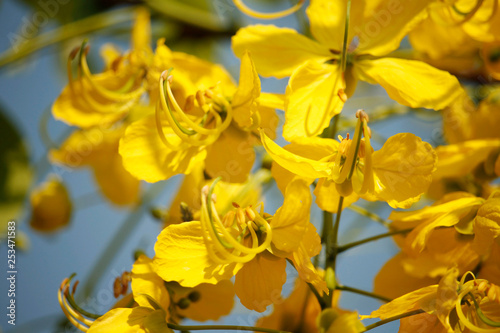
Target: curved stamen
x=176 y=126
x=161 y=134
x=109 y=94
x=367 y=172
x=267 y=16
x=349 y=163
x=66 y=309
x=214 y=226
x=196 y=128
x=467 y=288
x=482 y=316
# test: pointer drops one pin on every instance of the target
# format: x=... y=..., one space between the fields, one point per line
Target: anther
x=189 y=103
x=240 y=216
x=342 y=95
x=362 y=115
x=482 y=286
x=200 y=97
x=86 y=49
x=74 y=287
x=250 y=213
x=228 y=219
x=235 y=205
x=209 y=93
x=74 y=52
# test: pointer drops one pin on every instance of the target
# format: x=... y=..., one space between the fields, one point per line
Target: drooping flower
x=249 y=244
x=324 y=73
x=398 y=174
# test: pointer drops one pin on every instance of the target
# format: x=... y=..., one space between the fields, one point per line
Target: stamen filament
x=121 y=97
x=267 y=16
x=367 y=172
x=348 y=167
x=161 y=134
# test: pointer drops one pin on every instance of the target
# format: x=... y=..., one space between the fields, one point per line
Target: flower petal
x=182 y=256
x=146 y=281
x=386 y=23
x=258 y=284
x=312 y=99
x=147 y=158
x=402 y=170
x=301 y=166
x=277 y=51
x=290 y=221
x=410 y=82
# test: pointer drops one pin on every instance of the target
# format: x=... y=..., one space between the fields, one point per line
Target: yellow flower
x=324 y=73
x=175 y=140
x=398 y=174
x=476 y=303
x=50 y=205
x=469 y=215
x=98 y=149
x=101 y=99
x=251 y=245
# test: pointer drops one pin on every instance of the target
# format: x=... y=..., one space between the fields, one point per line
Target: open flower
x=452 y=305
x=324 y=73
x=215 y=117
x=102 y=99
x=249 y=244
x=398 y=174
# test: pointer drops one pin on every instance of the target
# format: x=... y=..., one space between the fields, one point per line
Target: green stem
x=388 y=320
x=332 y=247
x=120 y=238
x=346 y=33
x=371 y=239
x=363 y=211
x=77 y=28
x=363 y=292
x=44 y=129
x=222 y=327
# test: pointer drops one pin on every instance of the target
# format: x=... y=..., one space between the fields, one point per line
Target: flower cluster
x=152 y=114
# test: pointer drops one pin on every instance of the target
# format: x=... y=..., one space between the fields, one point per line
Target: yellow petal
x=348 y=323
x=393 y=281
x=141 y=33
x=98 y=148
x=462 y=158
x=408 y=302
x=244 y=100
x=50 y=206
x=313 y=148
x=121 y=320
x=297 y=313
x=310 y=246
x=73 y=108
x=145 y=281
x=386 y=23
x=277 y=51
x=181 y=255
x=301 y=166
x=274 y=101
x=487 y=225
x=258 y=284
x=290 y=221
x=231 y=156
x=220 y=294
x=147 y=158
x=410 y=82
x=327 y=21
x=312 y=99
x=327 y=196
x=485 y=23
x=402 y=170
x=440 y=41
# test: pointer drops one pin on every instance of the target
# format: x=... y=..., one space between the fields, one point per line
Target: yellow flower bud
x=51 y=206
